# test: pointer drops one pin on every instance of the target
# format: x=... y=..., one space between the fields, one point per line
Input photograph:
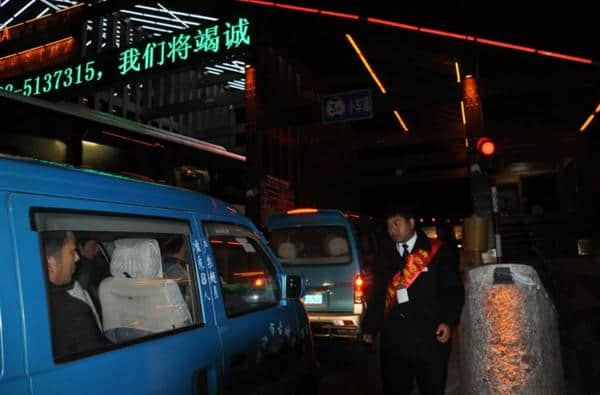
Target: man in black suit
x=418 y=297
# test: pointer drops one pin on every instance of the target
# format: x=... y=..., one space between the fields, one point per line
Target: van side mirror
x=294 y=287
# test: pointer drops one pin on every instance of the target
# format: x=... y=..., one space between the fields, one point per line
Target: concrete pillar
x=508 y=336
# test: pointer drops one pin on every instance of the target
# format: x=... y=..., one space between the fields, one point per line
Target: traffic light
x=485 y=146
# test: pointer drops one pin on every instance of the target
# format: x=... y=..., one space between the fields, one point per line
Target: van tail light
x=358 y=289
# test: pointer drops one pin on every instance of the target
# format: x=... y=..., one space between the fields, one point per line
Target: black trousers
x=424 y=360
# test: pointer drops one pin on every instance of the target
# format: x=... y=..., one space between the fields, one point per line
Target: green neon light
x=56 y=79
x=177 y=48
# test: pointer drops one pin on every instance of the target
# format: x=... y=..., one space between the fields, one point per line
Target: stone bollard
x=508 y=336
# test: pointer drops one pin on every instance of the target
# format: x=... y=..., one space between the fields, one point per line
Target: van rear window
x=311 y=245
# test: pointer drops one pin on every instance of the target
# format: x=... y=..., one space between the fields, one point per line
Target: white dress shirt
x=410 y=243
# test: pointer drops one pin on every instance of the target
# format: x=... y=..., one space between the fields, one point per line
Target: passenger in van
x=174 y=266
x=75 y=325
x=91 y=269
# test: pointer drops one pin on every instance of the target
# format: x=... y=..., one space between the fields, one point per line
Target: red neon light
x=505 y=45
x=565 y=57
x=296 y=8
x=340 y=15
x=442 y=33
x=155 y=145
x=424 y=30
x=390 y=23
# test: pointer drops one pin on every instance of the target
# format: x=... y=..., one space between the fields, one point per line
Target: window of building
x=115 y=280
x=248 y=277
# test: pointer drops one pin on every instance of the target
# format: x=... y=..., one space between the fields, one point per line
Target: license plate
x=313 y=299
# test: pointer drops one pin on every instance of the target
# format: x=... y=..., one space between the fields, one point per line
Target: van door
x=264 y=340
x=163 y=341
x=13 y=378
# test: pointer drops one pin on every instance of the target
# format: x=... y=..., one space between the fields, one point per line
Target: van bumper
x=334 y=324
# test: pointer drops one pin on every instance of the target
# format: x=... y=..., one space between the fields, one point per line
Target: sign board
x=347 y=106
x=196 y=46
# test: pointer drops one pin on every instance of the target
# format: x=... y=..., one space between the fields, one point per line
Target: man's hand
x=367 y=338
x=442 y=333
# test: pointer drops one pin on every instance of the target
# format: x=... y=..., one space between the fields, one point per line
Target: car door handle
x=239 y=360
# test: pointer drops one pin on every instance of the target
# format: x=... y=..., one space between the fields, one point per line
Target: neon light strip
x=173 y=15
x=163 y=18
x=4 y=3
x=43 y=12
x=368 y=67
x=457 y=67
x=587 y=122
x=462 y=112
x=589 y=119
x=443 y=33
x=302 y=9
x=504 y=45
x=397 y=114
x=424 y=30
x=340 y=15
x=296 y=8
x=157 y=23
x=208 y=18
x=483 y=41
x=16 y=14
x=234 y=69
x=565 y=57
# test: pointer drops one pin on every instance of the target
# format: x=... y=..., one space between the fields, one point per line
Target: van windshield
x=310 y=245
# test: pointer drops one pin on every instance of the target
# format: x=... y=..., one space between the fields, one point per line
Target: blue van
x=181 y=293
x=335 y=251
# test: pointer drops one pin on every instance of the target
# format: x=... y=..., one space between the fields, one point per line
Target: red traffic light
x=486 y=146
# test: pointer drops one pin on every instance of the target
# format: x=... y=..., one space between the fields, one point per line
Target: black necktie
x=404 y=252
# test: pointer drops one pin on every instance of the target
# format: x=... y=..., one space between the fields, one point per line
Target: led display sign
x=178 y=49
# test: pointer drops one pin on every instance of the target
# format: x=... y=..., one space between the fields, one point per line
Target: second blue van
x=335 y=251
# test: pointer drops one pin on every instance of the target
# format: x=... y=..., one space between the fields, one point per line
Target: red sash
x=415 y=263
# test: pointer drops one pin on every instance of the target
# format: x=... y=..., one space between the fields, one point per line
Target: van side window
x=248 y=277
x=115 y=280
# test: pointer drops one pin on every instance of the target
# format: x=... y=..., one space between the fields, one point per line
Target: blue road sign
x=347 y=106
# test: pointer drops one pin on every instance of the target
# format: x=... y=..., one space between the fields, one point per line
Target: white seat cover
x=337 y=246
x=144 y=302
x=287 y=250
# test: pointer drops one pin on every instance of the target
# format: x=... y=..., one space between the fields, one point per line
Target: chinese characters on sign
x=347 y=106
x=178 y=47
x=175 y=49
